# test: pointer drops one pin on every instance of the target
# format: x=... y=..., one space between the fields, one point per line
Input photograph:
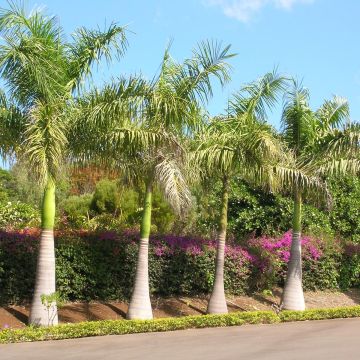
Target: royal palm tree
x=325 y=142
x=241 y=145
x=42 y=74
x=143 y=134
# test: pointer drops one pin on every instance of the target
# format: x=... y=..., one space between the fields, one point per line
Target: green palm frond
x=257 y=97
x=15 y=21
x=339 y=142
x=209 y=59
x=29 y=56
x=117 y=103
x=45 y=141
x=333 y=112
x=340 y=166
x=12 y=125
x=298 y=122
x=91 y=46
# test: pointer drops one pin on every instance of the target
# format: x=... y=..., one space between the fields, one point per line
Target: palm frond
x=90 y=46
x=259 y=96
x=297 y=118
x=45 y=141
x=174 y=186
x=333 y=112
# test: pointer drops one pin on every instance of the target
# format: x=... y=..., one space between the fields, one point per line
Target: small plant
x=51 y=302
x=267 y=292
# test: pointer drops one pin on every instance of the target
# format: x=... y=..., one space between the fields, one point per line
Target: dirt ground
x=16 y=316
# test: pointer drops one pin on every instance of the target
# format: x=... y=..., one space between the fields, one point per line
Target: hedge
x=100 y=266
x=121 y=327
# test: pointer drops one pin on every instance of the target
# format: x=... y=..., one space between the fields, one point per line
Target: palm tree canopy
x=41 y=71
x=146 y=121
x=327 y=140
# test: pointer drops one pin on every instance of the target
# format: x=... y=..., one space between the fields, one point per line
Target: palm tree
x=325 y=142
x=143 y=135
x=243 y=145
x=42 y=74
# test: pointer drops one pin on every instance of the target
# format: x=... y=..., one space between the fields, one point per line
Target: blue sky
x=315 y=40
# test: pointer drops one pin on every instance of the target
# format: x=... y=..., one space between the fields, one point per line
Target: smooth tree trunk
x=217 y=302
x=293 y=295
x=140 y=305
x=45 y=271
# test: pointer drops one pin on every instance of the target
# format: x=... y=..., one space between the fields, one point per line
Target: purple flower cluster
x=259 y=251
x=280 y=247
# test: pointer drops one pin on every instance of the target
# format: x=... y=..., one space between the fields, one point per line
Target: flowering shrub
x=101 y=266
x=321 y=260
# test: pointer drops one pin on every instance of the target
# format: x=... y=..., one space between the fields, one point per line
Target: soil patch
x=16 y=316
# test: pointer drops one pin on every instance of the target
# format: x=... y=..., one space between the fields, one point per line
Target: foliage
x=122 y=327
x=345 y=212
x=350 y=268
x=5 y=192
x=106 y=198
x=48 y=302
x=100 y=266
x=252 y=211
x=17 y=215
x=321 y=261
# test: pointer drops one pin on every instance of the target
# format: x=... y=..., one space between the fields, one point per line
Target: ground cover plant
x=122 y=327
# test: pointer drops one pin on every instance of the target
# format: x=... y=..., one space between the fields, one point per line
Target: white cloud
x=243 y=10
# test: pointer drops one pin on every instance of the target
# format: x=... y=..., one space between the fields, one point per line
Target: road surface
x=320 y=340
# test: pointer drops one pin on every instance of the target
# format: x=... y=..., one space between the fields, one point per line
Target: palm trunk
x=140 y=305
x=45 y=271
x=217 y=302
x=293 y=295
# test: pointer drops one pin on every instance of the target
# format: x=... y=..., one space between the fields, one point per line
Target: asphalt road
x=320 y=340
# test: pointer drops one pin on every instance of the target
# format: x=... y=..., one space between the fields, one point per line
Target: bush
x=17 y=215
x=121 y=327
x=350 y=267
x=101 y=265
x=106 y=197
x=321 y=261
x=77 y=209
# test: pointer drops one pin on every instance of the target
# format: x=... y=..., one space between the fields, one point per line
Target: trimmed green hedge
x=101 y=266
x=121 y=327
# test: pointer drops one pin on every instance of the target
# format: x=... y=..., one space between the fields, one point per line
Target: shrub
x=321 y=261
x=17 y=215
x=101 y=265
x=350 y=267
x=77 y=209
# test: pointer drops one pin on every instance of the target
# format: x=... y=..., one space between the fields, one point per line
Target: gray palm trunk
x=293 y=295
x=140 y=305
x=217 y=302
x=45 y=282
